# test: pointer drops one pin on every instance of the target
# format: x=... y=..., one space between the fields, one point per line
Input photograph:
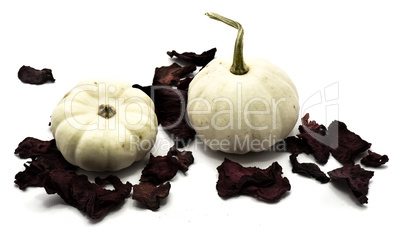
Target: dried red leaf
x=185 y=158
x=171 y=75
x=41 y=164
x=30 y=75
x=308 y=169
x=316 y=137
x=79 y=192
x=319 y=146
x=374 y=160
x=311 y=126
x=159 y=169
x=184 y=83
x=149 y=90
x=31 y=147
x=197 y=59
x=345 y=144
x=357 y=179
x=149 y=194
x=171 y=109
x=296 y=145
x=50 y=170
x=267 y=184
x=171 y=103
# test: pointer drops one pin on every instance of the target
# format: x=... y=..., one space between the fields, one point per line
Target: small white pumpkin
x=238 y=108
x=104 y=125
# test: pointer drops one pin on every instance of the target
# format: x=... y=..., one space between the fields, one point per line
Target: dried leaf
x=170 y=107
x=308 y=169
x=316 y=137
x=171 y=75
x=374 y=160
x=345 y=144
x=159 y=169
x=30 y=75
x=91 y=198
x=197 y=59
x=49 y=169
x=357 y=179
x=45 y=158
x=267 y=184
x=185 y=158
x=31 y=147
x=149 y=194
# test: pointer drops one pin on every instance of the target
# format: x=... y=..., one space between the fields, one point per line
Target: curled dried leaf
x=345 y=144
x=357 y=179
x=308 y=169
x=149 y=194
x=31 y=75
x=79 y=192
x=197 y=59
x=266 y=184
x=374 y=160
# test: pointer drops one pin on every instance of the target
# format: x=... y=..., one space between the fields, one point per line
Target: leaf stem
x=238 y=66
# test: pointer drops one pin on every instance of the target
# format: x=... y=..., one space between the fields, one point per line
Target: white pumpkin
x=104 y=125
x=239 y=108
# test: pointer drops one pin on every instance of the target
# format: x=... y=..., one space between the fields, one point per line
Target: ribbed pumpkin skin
x=242 y=113
x=95 y=143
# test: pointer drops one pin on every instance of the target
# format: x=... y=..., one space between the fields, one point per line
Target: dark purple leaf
x=171 y=75
x=267 y=184
x=171 y=105
x=31 y=147
x=171 y=110
x=357 y=179
x=296 y=145
x=345 y=145
x=30 y=75
x=185 y=158
x=184 y=83
x=159 y=169
x=50 y=170
x=308 y=169
x=316 y=137
x=41 y=164
x=311 y=126
x=374 y=160
x=197 y=59
x=149 y=194
x=91 y=198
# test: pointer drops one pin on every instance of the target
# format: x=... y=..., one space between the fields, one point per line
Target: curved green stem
x=238 y=65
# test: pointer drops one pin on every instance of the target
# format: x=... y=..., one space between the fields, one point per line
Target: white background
x=345 y=58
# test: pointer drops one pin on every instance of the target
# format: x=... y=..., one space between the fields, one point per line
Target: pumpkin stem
x=238 y=66
x=106 y=111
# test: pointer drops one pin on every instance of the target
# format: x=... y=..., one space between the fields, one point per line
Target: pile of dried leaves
x=154 y=182
x=344 y=145
x=49 y=169
x=169 y=93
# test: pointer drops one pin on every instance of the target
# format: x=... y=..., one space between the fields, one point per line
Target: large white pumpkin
x=238 y=108
x=104 y=125
x=242 y=113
